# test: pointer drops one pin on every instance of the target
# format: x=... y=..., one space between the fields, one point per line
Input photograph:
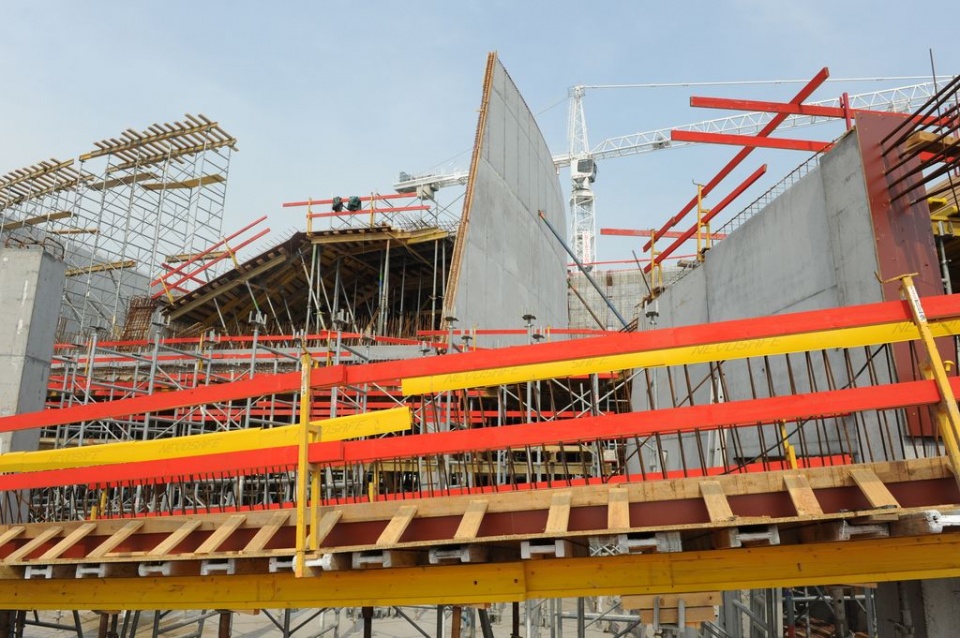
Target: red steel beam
x=741 y=155
x=791 y=108
x=724 y=332
x=208 y=250
x=632 y=232
x=713 y=212
x=634 y=424
x=365 y=198
x=750 y=141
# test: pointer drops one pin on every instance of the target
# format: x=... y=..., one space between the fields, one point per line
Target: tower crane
x=582 y=158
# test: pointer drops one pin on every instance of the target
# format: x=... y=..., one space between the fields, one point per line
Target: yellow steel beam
x=875 y=560
x=338 y=429
x=893 y=332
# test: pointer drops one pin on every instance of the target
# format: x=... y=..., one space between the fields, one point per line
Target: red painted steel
x=774 y=122
x=904 y=240
x=713 y=212
x=727 y=333
x=750 y=141
x=208 y=250
x=683 y=419
x=368 y=211
x=365 y=198
x=631 y=232
x=231 y=250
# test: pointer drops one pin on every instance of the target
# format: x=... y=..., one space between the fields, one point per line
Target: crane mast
x=582 y=159
x=583 y=172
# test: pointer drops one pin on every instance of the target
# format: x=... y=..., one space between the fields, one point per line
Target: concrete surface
x=511 y=264
x=31 y=288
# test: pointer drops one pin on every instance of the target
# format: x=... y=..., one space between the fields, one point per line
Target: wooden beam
x=874 y=489
x=558 y=517
x=804 y=500
x=618 y=509
x=69 y=541
x=397 y=526
x=115 y=539
x=31 y=546
x=873 y=560
x=470 y=523
x=168 y=544
x=672 y=601
x=327 y=522
x=11 y=534
x=718 y=508
x=222 y=533
x=266 y=532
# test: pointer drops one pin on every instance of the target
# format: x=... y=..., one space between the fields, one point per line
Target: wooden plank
x=618 y=509
x=266 y=532
x=470 y=523
x=949 y=146
x=175 y=538
x=691 y=616
x=558 y=518
x=11 y=534
x=327 y=522
x=215 y=540
x=115 y=539
x=397 y=525
x=718 y=508
x=874 y=489
x=672 y=601
x=69 y=541
x=24 y=551
x=804 y=500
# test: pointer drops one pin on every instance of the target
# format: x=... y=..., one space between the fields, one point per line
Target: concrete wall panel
x=511 y=264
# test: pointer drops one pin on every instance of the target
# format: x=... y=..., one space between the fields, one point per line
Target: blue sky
x=338 y=97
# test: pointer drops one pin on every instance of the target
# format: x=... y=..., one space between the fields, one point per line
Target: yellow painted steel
x=841 y=338
x=303 y=463
x=337 y=429
x=875 y=560
x=948 y=415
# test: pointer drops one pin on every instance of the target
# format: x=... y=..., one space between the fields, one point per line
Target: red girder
x=750 y=141
x=741 y=155
x=632 y=232
x=713 y=212
x=633 y=424
x=938 y=307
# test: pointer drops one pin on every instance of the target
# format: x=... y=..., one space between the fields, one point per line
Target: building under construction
x=403 y=413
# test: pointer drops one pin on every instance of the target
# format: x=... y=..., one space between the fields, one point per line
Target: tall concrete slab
x=506 y=263
x=811 y=248
x=31 y=289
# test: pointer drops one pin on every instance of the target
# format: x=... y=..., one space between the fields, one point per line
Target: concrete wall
x=511 y=264
x=31 y=289
x=811 y=248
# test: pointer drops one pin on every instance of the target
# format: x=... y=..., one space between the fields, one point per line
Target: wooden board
x=874 y=489
x=327 y=523
x=804 y=500
x=397 y=526
x=175 y=538
x=69 y=541
x=672 y=601
x=115 y=539
x=716 y=501
x=618 y=509
x=266 y=532
x=223 y=532
x=470 y=523
x=558 y=517
x=28 y=548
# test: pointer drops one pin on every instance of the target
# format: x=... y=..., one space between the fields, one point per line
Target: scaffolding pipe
x=580 y=266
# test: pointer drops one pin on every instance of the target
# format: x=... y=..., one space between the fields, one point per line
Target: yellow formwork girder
x=892 y=332
x=337 y=429
x=875 y=560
